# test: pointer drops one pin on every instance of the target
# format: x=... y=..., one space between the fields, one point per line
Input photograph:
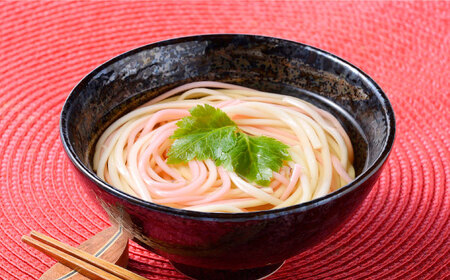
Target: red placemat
x=400 y=232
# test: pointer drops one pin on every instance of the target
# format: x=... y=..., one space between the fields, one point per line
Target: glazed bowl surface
x=227 y=241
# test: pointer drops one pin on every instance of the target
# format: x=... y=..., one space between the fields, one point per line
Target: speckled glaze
x=220 y=240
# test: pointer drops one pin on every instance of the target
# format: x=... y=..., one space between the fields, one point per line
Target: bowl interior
x=262 y=63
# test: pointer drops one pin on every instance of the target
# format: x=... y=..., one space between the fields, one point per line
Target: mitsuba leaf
x=207 y=133
x=256 y=157
x=210 y=134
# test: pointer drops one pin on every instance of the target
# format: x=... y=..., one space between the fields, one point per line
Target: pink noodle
x=110 y=137
x=144 y=157
x=169 y=171
x=240 y=116
x=154 y=187
x=295 y=109
x=168 y=186
x=275 y=184
x=191 y=187
x=286 y=171
x=341 y=131
x=133 y=134
x=157 y=169
x=294 y=178
x=280 y=132
x=280 y=178
x=218 y=193
x=234 y=102
x=217 y=183
x=227 y=103
x=161 y=164
x=164 y=115
x=149 y=178
x=227 y=201
x=149 y=175
x=179 y=199
x=106 y=143
x=153 y=170
x=223 y=103
x=340 y=169
x=270 y=134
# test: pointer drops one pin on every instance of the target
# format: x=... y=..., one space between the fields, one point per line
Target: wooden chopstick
x=84 y=263
x=82 y=267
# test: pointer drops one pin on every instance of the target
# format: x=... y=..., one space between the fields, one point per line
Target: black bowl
x=241 y=244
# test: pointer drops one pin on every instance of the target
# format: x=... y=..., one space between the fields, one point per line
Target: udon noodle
x=131 y=154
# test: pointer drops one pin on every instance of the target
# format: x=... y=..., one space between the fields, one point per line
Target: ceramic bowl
x=225 y=245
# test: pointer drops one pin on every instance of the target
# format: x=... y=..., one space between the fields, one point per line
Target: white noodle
x=317 y=144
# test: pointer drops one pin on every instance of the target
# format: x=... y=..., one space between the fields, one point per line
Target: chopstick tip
x=25 y=239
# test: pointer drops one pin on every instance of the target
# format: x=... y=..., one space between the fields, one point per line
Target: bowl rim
x=226 y=217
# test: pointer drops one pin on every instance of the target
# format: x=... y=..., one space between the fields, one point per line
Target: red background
x=400 y=232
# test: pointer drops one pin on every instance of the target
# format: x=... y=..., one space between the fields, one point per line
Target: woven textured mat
x=400 y=232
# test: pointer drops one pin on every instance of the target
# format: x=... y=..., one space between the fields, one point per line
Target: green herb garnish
x=210 y=133
x=207 y=133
